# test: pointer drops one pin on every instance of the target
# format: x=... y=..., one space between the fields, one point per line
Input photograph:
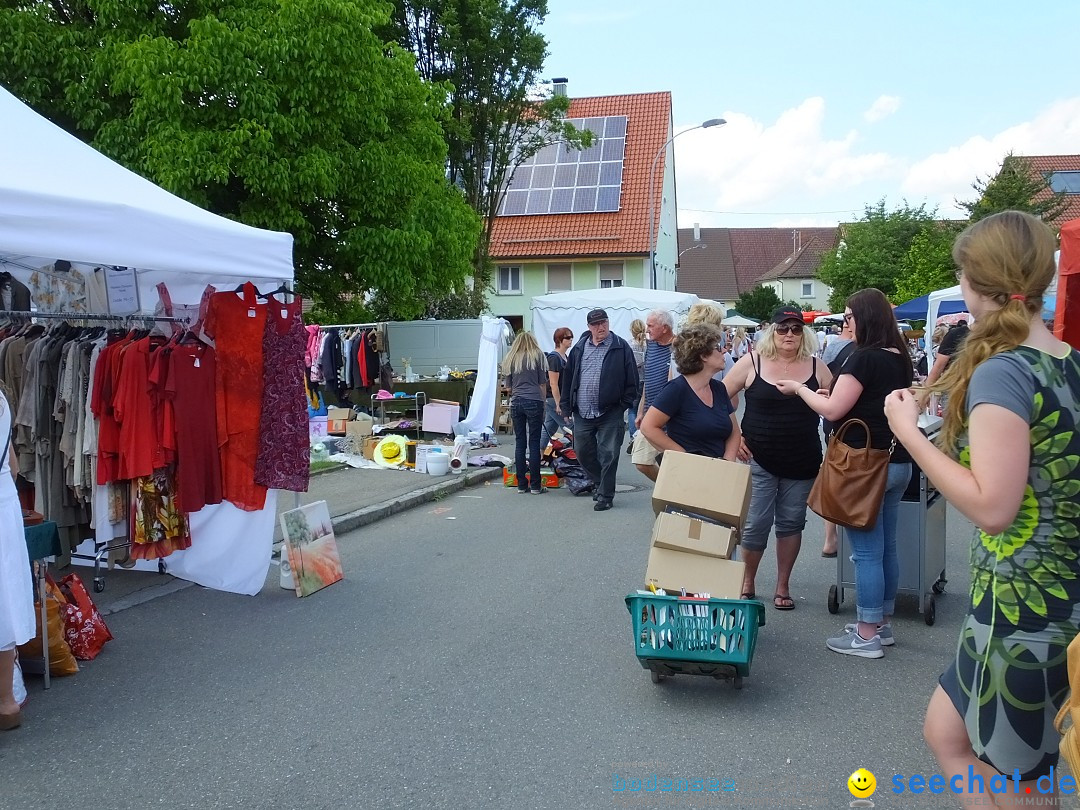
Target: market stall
x=86 y=238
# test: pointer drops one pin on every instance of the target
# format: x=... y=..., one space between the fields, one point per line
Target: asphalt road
x=478 y=654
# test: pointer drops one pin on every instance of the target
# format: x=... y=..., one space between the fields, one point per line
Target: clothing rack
x=349 y=325
x=81 y=316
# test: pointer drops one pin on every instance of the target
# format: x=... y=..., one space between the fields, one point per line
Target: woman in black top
x=692 y=413
x=878 y=366
x=781 y=441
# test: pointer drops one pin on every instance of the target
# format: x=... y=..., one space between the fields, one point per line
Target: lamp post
x=712 y=122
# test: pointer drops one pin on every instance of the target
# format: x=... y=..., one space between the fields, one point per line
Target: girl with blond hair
x=526 y=370
x=1007 y=461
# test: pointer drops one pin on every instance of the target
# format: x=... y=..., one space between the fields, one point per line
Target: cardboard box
x=370 y=443
x=358 y=428
x=336 y=427
x=344 y=414
x=675 y=570
x=693 y=535
x=422 y=451
x=440 y=416
x=699 y=485
x=317 y=427
x=547 y=477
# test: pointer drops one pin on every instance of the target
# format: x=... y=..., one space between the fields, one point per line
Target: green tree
x=1016 y=186
x=871 y=251
x=928 y=265
x=488 y=56
x=292 y=116
x=758 y=303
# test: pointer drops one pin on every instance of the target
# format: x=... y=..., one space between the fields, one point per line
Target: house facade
x=1062 y=173
x=579 y=219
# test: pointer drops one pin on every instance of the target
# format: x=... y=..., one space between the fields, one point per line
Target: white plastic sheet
x=482 y=407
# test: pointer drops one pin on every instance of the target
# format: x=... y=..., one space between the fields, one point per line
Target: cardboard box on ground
x=701 y=505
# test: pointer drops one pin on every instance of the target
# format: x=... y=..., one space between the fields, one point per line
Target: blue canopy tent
x=916 y=309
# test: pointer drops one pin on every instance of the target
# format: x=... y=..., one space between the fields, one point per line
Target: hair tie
x=1017 y=297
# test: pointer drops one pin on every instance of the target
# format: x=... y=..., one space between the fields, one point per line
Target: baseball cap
x=596 y=316
x=787 y=314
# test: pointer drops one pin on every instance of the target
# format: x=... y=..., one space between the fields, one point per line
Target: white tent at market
x=623 y=305
x=60 y=199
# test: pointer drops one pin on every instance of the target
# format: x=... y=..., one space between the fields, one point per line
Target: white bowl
x=438 y=463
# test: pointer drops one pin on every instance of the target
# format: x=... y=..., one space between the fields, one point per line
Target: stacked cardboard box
x=337 y=419
x=700 y=505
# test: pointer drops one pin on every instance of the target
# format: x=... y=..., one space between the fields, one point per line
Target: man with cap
x=600 y=382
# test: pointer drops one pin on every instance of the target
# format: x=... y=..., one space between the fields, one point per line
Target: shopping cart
x=686 y=636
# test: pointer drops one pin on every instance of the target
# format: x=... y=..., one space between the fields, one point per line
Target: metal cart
x=920 y=543
x=412 y=404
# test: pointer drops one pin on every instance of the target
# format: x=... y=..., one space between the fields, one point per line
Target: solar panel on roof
x=560 y=180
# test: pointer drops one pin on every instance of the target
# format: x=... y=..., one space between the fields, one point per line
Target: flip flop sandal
x=749 y=595
x=828 y=554
x=782 y=600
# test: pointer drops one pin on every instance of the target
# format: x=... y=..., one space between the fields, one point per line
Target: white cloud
x=883 y=107
x=748 y=164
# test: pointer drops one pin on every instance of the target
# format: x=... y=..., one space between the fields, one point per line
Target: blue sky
x=832 y=106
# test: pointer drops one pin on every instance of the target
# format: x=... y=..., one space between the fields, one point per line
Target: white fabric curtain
x=492 y=349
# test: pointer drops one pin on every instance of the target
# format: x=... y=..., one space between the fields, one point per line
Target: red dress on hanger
x=190 y=387
x=284 y=460
x=236 y=324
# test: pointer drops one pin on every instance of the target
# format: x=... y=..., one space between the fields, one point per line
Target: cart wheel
x=736 y=682
x=99 y=584
x=834 y=602
x=655 y=676
x=161 y=569
x=931 y=613
x=938 y=587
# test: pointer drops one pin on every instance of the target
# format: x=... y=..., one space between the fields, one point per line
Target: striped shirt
x=592 y=363
x=656 y=370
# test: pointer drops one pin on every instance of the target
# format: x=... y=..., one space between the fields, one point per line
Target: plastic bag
x=18 y=688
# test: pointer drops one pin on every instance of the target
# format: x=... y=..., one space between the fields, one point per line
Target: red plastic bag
x=84 y=627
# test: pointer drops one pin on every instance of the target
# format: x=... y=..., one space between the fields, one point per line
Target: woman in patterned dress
x=1015 y=394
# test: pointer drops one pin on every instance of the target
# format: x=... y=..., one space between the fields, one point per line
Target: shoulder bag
x=850 y=486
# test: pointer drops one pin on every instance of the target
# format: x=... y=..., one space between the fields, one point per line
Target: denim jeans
x=528 y=418
x=553 y=423
x=598 y=443
x=631 y=413
x=877 y=570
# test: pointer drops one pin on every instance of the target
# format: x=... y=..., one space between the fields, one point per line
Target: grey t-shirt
x=529 y=383
x=1004 y=380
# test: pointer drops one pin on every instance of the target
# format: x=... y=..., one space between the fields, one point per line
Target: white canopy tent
x=60 y=199
x=623 y=305
x=739 y=320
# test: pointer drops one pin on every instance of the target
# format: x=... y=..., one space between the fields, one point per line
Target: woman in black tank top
x=782 y=444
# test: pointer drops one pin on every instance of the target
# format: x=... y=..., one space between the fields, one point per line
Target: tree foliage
x=1016 y=186
x=282 y=114
x=759 y=303
x=487 y=55
x=928 y=265
x=872 y=251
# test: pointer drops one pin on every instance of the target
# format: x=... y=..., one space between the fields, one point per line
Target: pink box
x=317 y=427
x=440 y=417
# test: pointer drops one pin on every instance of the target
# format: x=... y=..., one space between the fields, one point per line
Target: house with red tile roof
x=722 y=263
x=579 y=219
x=1062 y=172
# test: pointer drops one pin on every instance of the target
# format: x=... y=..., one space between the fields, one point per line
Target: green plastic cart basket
x=677 y=636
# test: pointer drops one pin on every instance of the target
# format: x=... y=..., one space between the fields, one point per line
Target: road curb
x=371 y=514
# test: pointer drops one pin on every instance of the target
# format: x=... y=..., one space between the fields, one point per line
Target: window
x=808 y=289
x=1068 y=182
x=509 y=280
x=611 y=275
x=558 y=278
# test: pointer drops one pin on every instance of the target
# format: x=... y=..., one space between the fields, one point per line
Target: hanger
x=282 y=290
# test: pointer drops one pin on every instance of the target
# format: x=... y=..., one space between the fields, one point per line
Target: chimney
x=558 y=87
x=697 y=232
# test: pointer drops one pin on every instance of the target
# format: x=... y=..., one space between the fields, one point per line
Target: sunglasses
x=794 y=328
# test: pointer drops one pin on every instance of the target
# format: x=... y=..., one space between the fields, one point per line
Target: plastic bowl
x=438 y=463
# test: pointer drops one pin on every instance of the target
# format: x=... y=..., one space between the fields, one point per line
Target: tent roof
x=634 y=298
x=59 y=198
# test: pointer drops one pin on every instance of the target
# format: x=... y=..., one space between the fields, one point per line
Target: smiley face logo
x=862 y=784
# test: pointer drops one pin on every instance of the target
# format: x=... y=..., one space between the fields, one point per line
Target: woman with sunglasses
x=554 y=419
x=782 y=444
x=879 y=366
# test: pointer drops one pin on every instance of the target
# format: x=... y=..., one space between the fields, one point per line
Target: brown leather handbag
x=850 y=486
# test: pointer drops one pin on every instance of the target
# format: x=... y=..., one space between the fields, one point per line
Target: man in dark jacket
x=600 y=383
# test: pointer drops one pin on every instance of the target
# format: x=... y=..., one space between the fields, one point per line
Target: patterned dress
x=1009 y=677
x=284 y=460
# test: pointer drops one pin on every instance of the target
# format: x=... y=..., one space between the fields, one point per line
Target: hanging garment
x=190 y=388
x=236 y=324
x=159 y=527
x=284 y=460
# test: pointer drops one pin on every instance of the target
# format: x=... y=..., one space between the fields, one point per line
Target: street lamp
x=712 y=122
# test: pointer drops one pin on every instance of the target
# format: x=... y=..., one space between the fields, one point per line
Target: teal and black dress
x=1010 y=678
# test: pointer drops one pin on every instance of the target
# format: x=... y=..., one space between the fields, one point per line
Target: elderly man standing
x=660 y=328
x=598 y=384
